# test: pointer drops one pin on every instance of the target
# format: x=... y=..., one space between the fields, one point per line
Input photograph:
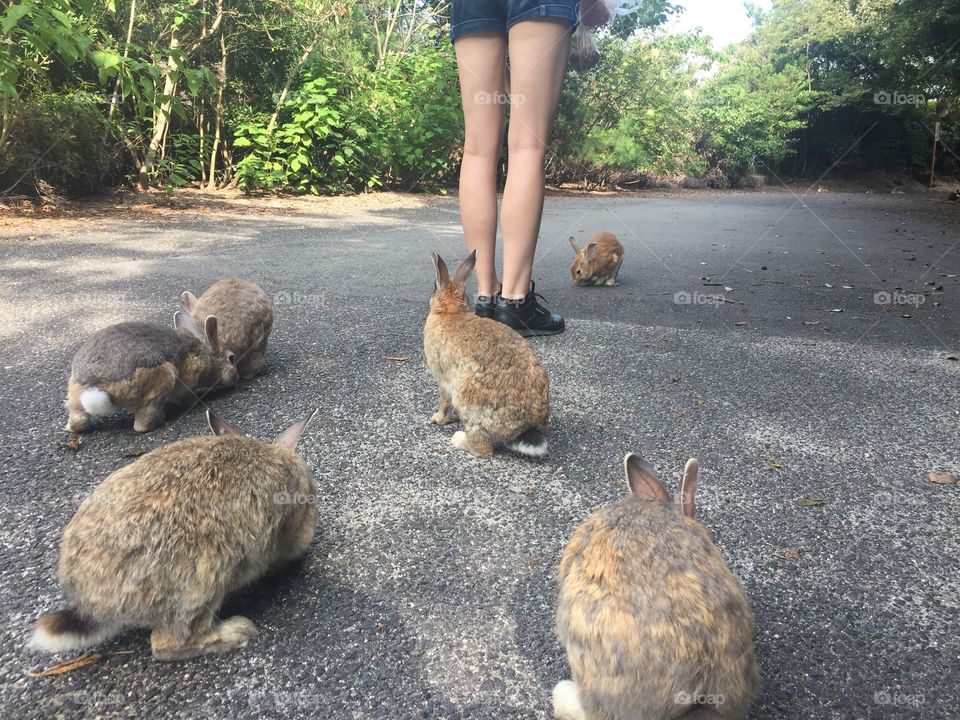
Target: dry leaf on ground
x=68 y=666
x=941 y=478
x=807 y=501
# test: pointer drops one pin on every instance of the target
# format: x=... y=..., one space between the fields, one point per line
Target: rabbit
x=598 y=263
x=654 y=623
x=140 y=366
x=489 y=377
x=162 y=541
x=245 y=314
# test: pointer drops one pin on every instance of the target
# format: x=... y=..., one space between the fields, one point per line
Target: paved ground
x=429 y=589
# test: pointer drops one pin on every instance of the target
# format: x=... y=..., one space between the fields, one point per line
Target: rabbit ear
x=464 y=269
x=576 y=248
x=684 y=499
x=443 y=275
x=591 y=249
x=182 y=320
x=218 y=426
x=210 y=327
x=642 y=481
x=291 y=436
x=189 y=301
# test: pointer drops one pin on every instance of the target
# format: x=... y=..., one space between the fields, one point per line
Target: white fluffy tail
x=532 y=444
x=566 y=702
x=66 y=630
x=96 y=402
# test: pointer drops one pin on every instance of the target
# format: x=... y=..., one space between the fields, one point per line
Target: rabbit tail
x=532 y=443
x=67 y=630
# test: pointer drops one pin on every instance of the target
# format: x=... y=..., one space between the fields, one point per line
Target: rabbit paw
x=472 y=443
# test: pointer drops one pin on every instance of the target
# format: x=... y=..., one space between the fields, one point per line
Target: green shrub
x=60 y=143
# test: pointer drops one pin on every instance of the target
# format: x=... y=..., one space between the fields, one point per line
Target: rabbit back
x=650 y=615
x=118 y=351
x=243 y=309
x=180 y=528
x=495 y=378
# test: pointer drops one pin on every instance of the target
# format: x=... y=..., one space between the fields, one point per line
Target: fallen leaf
x=836 y=310
x=699 y=403
x=792 y=553
x=807 y=501
x=940 y=478
x=848 y=287
x=398 y=358
x=68 y=666
x=828 y=285
x=727 y=288
x=811 y=322
x=133 y=453
x=774 y=465
x=743 y=323
x=679 y=412
x=72 y=444
x=531 y=561
x=675 y=380
x=528 y=491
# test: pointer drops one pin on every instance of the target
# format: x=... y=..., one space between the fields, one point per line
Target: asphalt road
x=429 y=589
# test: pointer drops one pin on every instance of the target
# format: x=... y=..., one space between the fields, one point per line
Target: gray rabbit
x=141 y=366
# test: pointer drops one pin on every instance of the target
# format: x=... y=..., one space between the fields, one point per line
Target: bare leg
x=481 y=61
x=204 y=637
x=447 y=413
x=472 y=442
x=538 y=59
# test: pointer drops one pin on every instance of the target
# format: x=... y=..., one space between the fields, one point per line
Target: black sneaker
x=527 y=316
x=485 y=305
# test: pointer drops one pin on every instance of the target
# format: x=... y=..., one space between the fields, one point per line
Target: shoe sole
x=540 y=333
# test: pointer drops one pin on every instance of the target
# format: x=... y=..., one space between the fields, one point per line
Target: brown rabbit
x=599 y=262
x=489 y=377
x=246 y=318
x=142 y=366
x=162 y=541
x=654 y=624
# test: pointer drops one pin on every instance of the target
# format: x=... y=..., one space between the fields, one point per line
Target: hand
x=594 y=13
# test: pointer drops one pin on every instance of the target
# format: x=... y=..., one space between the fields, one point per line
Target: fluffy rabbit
x=141 y=366
x=162 y=541
x=599 y=262
x=246 y=318
x=654 y=623
x=488 y=376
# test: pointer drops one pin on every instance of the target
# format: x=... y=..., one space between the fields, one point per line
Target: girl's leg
x=481 y=58
x=538 y=59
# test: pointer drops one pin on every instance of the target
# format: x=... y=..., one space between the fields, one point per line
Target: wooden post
x=933 y=161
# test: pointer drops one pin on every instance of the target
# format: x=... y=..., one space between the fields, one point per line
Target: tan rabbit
x=489 y=377
x=142 y=366
x=654 y=624
x=599 y=262
x=162 y=541
x=246 y=318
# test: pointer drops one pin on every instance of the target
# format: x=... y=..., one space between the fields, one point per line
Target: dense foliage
x=329 y=96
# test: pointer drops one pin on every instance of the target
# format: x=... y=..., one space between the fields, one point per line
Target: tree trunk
x=126 y=53
x=218 y=113
x=161 y=118
x=291 y=76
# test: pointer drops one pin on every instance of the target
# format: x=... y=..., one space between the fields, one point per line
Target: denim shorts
x=498 y=16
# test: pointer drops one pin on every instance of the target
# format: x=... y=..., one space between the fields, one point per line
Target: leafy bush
x=61 y=143
x=395 y=127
